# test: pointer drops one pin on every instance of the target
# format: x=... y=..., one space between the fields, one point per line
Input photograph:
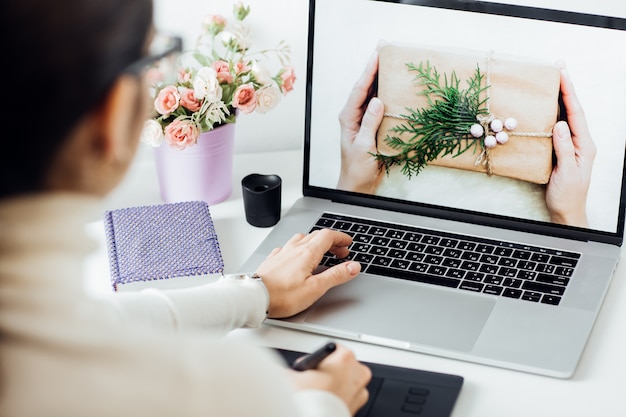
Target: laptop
x=398 y=392
x=460 y=260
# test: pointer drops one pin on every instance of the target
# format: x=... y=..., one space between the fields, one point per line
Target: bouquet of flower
x=214 y=82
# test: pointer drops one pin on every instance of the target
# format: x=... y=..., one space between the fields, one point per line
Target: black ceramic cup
x=261 y=199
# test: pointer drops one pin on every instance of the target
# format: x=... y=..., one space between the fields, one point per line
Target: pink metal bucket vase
x=202 y=172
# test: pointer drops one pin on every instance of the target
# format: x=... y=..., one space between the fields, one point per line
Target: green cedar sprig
x=440 y=129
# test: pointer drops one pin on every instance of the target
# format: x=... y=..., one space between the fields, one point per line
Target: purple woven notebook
x=161 y=241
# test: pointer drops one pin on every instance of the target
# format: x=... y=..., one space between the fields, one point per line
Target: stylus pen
x=311 y=361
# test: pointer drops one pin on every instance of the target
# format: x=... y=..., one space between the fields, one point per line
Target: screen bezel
x=454 y=214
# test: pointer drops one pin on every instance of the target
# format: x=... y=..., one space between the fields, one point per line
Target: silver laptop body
x=514 y=333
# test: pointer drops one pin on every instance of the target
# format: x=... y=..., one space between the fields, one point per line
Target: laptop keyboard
x=506 y=269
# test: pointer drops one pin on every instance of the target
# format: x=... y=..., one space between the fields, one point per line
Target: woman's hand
x=341 y=374
x=359 y=120
x=288 y=271
x=566 y=194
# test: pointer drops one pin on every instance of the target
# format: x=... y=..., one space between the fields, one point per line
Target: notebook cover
x=161 y=241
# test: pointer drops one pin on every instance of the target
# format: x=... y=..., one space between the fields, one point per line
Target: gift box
x=162 y=241
x=512 y=87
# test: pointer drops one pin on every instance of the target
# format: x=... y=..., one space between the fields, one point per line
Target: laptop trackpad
x=404 y=311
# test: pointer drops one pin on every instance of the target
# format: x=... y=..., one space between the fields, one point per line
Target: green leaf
x=442 y=127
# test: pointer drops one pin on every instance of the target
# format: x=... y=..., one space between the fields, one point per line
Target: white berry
x=510 y=123
x=496 y=125
x=502 y=137
x=490 y=141
x=477 y=130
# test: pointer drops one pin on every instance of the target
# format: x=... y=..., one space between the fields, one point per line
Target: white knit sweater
x=153 y=353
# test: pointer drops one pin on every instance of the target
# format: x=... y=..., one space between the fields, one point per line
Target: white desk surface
x=596 y=389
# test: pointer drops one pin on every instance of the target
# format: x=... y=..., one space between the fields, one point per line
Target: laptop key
x=437 y=270
x=552 y=279
x=418 y=267
x=415 y=256
x=484 y=248
x=526 y=274
x=512 y=282
x=380 y=241
x=455 y=273
x=547 y=268
x=470 y=266
x=359 y=228
x=434 y=250
x=512 y=293
x=493 y=289
x=452 y=262
x=395 y=234
x=565 y=271
x=377 y=250
x=400 y=264
x=531 y=296
x=470 y=256
x=430 y=240
x=469 y=246
x=551 y=299
x=396 y=253
x=521 y=254
x=416 y=247
x=363 y=258
x=562 y=261
x=471 y=286
x=543 y=288
x=413 y=276
x=503 y=251
x=398 y=244
x=493 y=279
x=325 y=222
x=452 y=253
x=475 y=276
x=489 y=259
x=361 y=238
x=381 y=260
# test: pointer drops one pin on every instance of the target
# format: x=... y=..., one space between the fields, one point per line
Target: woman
x=75 y=81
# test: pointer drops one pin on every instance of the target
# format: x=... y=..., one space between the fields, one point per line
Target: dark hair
x=59 y=61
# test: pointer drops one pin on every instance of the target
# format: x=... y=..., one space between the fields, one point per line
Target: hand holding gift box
x=447 y=107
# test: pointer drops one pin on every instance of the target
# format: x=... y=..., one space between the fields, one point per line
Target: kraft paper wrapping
x=519 y=88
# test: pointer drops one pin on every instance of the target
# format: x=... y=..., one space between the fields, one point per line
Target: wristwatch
x=249 y=278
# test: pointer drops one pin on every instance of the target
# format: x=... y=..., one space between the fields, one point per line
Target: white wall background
x=275 y=20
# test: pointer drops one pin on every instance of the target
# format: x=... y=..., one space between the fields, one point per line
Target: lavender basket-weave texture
x=161 y=241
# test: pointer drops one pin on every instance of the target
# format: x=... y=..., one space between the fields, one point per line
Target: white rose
x=267 y=97
x=152 y=133
x=261 y=74
x=206 y=86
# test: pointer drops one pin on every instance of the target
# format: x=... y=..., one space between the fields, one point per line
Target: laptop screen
x=471 y=95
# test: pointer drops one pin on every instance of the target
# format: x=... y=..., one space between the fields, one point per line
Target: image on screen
x=471 y=101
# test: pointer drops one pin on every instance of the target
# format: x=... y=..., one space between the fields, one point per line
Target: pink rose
x=188 y=99
x=245 y=98
x=223 y=72
x=184 y=76
x=181 y=133
x=242 y=67
x=288 y=77
x=167 y=100
x=214 y=23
